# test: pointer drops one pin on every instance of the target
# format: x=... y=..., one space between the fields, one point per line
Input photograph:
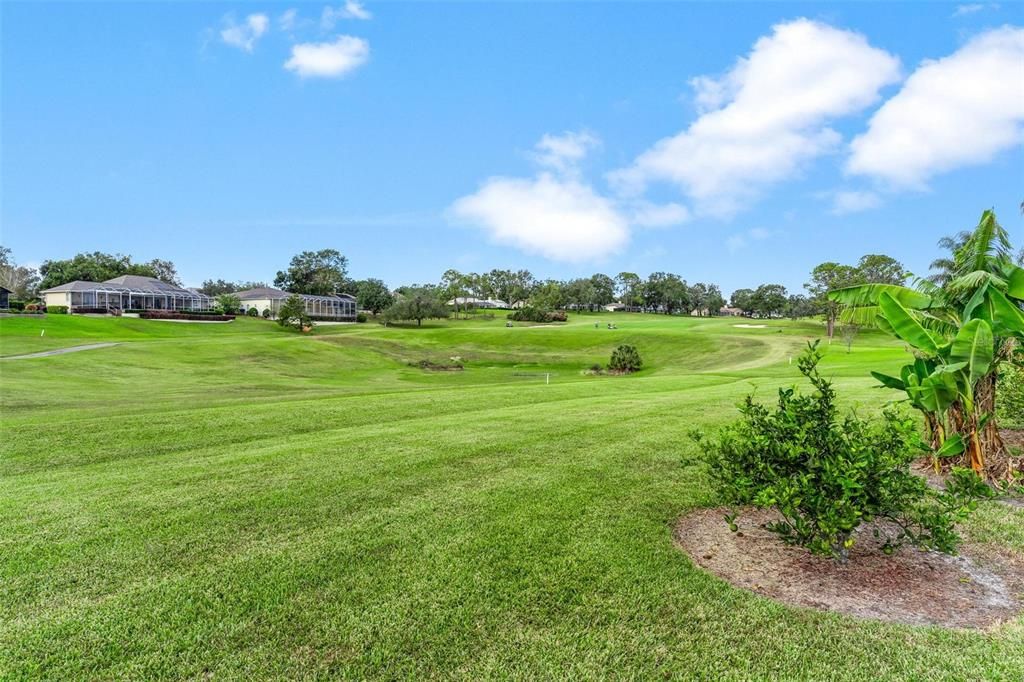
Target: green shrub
x=15 y=305
x=266 y=313
x=1010 y=396
x=825 y=475
x=361 y=317
x=625 y=358
x=252 y=312
x=57 y=310
x=228 y=304
x=293 y=313
x=532 y=314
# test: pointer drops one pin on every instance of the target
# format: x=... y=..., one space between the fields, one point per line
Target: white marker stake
x=547 y=379
x=41 y=332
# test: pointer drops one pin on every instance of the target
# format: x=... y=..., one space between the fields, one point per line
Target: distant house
x=341 y=307
x=5 y=298
x=614 y=307
x=128 y=292
x=726 y=311
x=468 y=302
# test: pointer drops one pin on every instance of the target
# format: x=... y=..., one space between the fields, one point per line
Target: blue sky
x=731 y=143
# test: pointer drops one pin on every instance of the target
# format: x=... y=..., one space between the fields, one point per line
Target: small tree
x=625 y=359
x=293 y=313
x=417 y=303
x=825 y=475
x=228 y=304
x=252 y=312
x=849 y=331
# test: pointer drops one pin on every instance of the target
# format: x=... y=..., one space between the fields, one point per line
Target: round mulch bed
x=978 y=589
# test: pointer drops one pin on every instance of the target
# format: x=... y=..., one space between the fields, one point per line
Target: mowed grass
x=238 y=502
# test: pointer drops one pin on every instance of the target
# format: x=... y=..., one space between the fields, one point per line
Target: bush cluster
x=826 y=475
x=625 y=359
x=179 y=315
x=15 y=305
x=531 y=314
x=252 y=312
x=361 y=317
x=57 y=310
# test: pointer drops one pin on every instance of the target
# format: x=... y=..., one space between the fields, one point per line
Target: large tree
x=98 y=267
x=744 y=300
x=628 y=285
x=373 y=295
x=20 y=280
x=828 y=277
x=417 y=303
x=877 y=268
x=216 y=287
x=320 y=273
x=769 y=300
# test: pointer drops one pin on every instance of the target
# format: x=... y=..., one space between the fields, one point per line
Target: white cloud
x=328 y=60
x=558 y=218
x=244 y=35
x=767 y=116
x=288 y=18
x=646 y=214
x=854 y=201
x=564 y=152
x=973 y=8
x=957 y=111
x=740 y=241
x=554 y=214
x=350 y=10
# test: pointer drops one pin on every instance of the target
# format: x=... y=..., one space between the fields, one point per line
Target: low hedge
x=531 y=314
x=178 y=315
x=57 y=309
x=81 y=310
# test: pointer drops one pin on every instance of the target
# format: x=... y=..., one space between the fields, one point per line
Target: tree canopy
x=319 y=273
x=98 y=267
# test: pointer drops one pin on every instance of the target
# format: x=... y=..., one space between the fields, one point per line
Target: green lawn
x=239 y=502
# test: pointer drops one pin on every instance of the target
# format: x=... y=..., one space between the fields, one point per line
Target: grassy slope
x=243 y=501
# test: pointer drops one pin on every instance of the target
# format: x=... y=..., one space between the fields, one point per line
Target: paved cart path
x=59 y=351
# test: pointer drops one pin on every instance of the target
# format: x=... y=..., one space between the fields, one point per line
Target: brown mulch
x=1012 y=438
x=980 y=588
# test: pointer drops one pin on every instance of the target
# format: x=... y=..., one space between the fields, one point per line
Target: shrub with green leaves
x=252 y=312
x=293 y=313
x=625 y=358
x=826 y=474
x=1010 y=396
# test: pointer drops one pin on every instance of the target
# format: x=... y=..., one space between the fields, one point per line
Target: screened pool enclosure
x=130 y=292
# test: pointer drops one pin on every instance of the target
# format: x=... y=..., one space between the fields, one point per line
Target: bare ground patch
x=981 y=588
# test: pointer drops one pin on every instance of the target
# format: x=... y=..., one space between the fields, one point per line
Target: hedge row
x=177 y=315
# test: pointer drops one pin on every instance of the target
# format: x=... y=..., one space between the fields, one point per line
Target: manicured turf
x=238 y=502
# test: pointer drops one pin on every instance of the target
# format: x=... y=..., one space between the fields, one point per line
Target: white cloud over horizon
x=961 y=110
x=350 y=10
x=333 y=59
x=763 y=120
x=553 y=214
x=845 y=202
x=561 y=219
x=245 y=34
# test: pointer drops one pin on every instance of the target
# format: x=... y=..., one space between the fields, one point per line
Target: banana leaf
x=889 y=382
x=1015 y=283
x=953 y=446
x=974 y=347
x=905 y=325
x=863 y=295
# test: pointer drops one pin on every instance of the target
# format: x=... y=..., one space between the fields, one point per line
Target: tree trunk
x=984 y=450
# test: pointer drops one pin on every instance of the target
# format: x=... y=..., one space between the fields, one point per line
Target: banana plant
x=959 y=334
